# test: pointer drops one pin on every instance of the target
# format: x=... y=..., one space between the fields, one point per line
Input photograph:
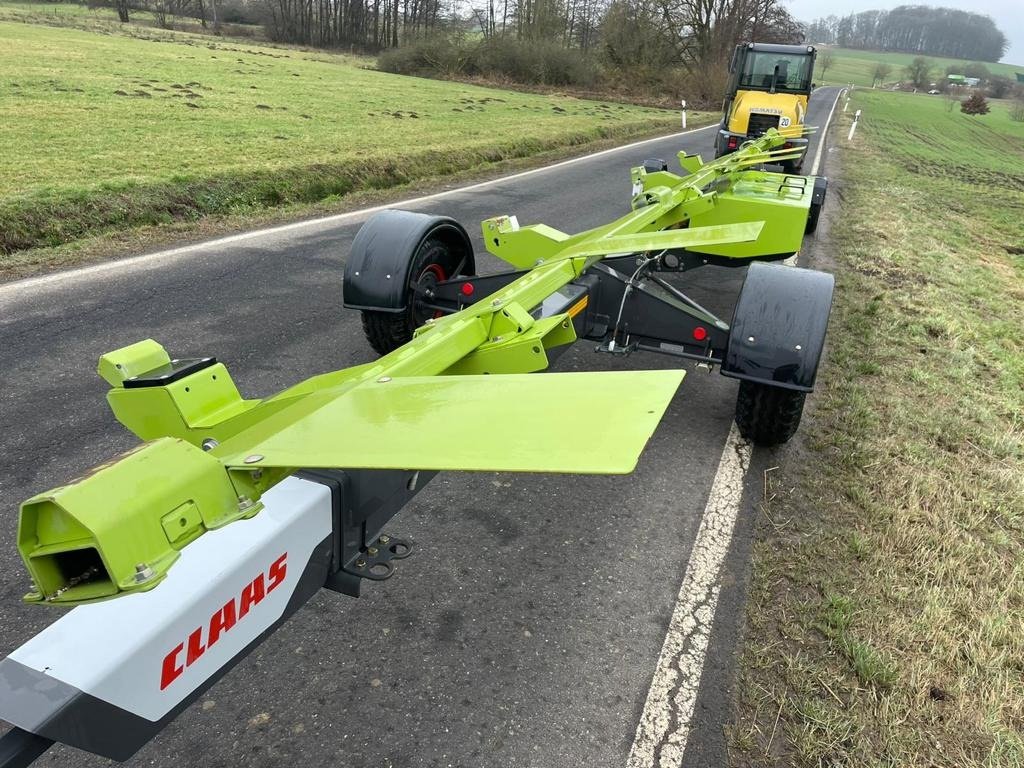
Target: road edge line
x=147 y=259
x=664 y=727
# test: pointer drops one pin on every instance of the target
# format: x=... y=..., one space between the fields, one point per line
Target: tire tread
x=768 y=415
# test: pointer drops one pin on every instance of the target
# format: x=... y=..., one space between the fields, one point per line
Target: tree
x=122 y=10
x=825 y=61
x=918 y=71
x=999 y=87
x=882 y=70
x=976 y=69
x=975 y=104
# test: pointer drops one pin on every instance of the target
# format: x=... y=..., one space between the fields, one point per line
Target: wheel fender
x=778 y=326
x=377 y=270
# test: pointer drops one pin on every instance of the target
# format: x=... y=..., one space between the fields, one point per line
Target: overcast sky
x=1008 y=15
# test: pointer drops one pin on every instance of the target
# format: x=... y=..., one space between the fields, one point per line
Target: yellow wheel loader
x=768 y=88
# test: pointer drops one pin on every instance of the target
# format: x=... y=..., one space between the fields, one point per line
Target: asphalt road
x=523 y=632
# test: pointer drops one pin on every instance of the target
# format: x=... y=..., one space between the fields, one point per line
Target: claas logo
x=185 y=653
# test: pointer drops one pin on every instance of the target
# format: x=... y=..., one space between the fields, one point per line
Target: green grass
x=886 y=624
x=856 y=67
x=110 y=130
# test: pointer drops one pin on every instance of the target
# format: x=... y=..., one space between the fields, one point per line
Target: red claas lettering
x=204 y=637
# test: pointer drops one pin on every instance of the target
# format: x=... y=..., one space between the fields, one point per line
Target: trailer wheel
x=387 y=331
x=768 y=415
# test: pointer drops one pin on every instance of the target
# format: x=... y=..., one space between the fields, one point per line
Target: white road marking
x=664 y=727
x=824 y=135
x=154 y=259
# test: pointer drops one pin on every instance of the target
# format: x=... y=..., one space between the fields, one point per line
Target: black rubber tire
x=768 y=415
x=813 y=214
x=793 y=167
x=387 y=331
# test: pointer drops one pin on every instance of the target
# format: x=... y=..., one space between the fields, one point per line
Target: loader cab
x=769 y=87
x=772 y=69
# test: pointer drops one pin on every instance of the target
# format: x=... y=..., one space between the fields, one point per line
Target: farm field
x=852 y=66
x=886 y=623
x=106 y=131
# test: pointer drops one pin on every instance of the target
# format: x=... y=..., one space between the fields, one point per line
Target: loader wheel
x=794 y=167
x=768 y=415
x=387 y=331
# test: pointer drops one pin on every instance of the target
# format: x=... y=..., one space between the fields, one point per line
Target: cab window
x=790 y=72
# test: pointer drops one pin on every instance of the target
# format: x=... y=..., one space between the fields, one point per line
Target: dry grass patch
x=887 y=615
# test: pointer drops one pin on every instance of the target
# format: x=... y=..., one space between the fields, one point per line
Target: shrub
x=975 y=104
x=1017 y=110
x=534 y=62
x=435 y=55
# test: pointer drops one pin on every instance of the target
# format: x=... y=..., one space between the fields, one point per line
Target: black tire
x=387 y=331
x=768 y=415
x=813 y=213
x=794 y=167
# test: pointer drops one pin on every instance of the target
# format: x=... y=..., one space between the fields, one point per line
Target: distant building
x=1020 y=77
x=970 y=82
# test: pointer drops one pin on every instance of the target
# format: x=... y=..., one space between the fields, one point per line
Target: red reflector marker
x=700 y=333
x=467 y=289
x=733 y=141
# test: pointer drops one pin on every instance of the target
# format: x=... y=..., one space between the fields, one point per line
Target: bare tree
x=825 y=62
x=918 y=71
x=881 y=71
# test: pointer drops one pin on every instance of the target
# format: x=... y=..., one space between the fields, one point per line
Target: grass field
x=886 y=625
x=107 y=130
x=856 y=66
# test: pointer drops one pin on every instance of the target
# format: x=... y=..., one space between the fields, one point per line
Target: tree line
x=917 y=29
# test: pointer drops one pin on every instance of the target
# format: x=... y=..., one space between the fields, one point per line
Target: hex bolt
x=360 y=563
x=496 y=303
x=750 y=339
x=371 y=551
x=143 y=572
x=384 y=539
x=798 y=347
x=387 y=277
x=253 y=458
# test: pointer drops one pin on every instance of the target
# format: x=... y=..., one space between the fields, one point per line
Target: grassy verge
x=886 y=624
x=113 y=131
